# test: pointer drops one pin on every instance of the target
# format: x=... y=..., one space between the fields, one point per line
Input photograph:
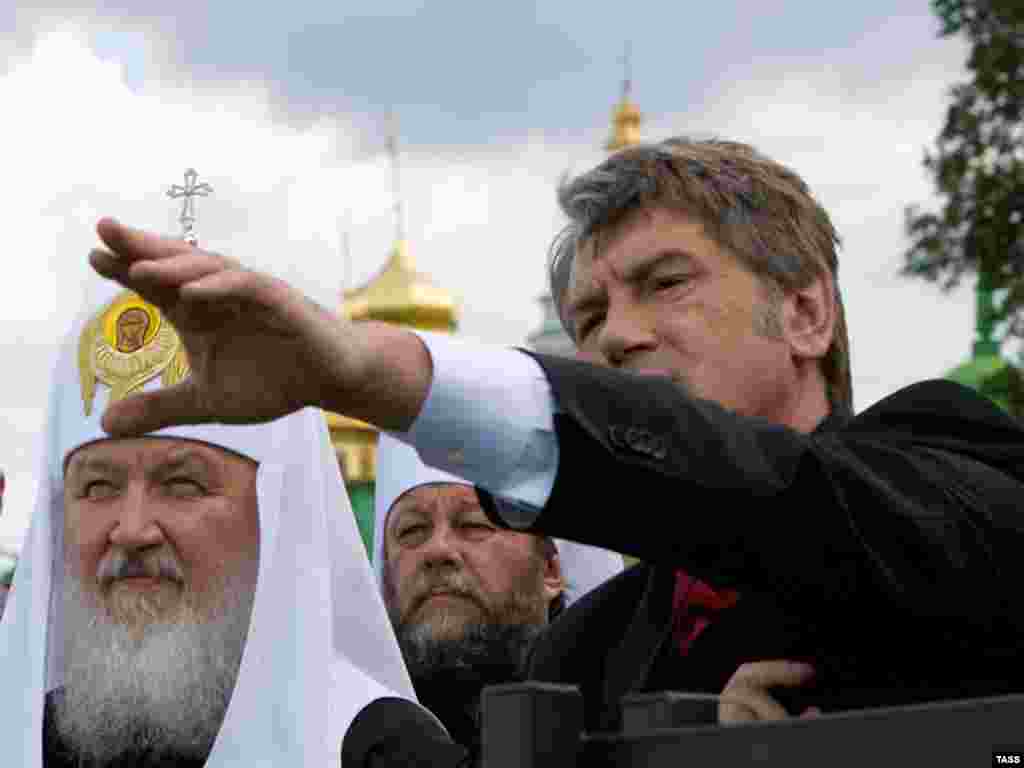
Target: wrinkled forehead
x=637 y=223
x=432 y=497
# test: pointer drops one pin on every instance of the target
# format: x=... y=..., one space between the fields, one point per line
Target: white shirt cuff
x=488 y=419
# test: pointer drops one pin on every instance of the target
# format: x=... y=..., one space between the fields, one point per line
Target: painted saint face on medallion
x=126 y=345
x=132 y=325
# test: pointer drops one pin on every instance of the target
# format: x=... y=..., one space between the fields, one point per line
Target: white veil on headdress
x=400 y=469
x=319 y=646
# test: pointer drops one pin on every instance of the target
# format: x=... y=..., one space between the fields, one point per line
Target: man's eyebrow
x=642 y=269
x=463 y=505
x=401 y=511
x=594 y=299
x=183 y=459
x=98 y=464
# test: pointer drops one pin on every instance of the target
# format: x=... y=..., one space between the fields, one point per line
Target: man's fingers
x=768 y=674
x=742 y=705
x=132 y=244
x=732 y=711
x=749 y=686
x=113 y=268
x=108 y=265
x=239 y=284
x=147 y=412
x=183 y=268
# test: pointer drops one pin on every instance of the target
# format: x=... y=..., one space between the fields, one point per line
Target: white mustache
x=121 y=565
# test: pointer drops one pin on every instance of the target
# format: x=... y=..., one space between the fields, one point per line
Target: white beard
x=163 y=686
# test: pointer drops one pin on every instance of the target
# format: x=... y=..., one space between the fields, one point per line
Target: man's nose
x=626 y=332
x=443 y=548
x=136 y=526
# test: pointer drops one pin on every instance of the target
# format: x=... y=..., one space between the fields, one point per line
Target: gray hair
x=758 y=209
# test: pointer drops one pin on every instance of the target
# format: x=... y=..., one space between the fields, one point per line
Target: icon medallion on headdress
x=128 y=344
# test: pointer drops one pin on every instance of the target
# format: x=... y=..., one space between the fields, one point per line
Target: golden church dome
x=399 y=294
x=626 y=119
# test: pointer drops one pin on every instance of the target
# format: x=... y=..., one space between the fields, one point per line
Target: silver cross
x=189 y=192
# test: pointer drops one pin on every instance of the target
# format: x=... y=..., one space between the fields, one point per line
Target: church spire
x=626 y=117
x=398 y=293
x=551 y=338
x=400 y=254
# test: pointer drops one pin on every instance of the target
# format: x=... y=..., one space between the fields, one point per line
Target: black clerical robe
x=885 y=549
x=458 y=710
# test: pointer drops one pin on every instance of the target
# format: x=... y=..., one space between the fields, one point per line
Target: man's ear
x=808 y=318
x=388 y=589
x=554 y=581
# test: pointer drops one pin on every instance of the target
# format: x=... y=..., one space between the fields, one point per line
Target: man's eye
x=405 y=533
x=669 y=281
x=587 y=326
x=184 y=486
x=98 y=489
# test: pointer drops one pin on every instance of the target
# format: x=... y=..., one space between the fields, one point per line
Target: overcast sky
x=284 y=111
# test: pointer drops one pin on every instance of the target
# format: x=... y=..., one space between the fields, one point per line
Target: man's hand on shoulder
x=257 y=347
x=745 y=697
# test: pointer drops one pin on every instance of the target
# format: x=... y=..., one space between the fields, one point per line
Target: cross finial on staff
x=189 y=192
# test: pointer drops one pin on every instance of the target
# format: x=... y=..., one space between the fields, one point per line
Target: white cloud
x=81 y=144
x=87 y=146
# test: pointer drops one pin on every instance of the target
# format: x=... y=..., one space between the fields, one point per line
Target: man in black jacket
x=869 y=547
x=716 y=441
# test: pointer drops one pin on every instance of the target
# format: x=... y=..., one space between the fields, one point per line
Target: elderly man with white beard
x=161 y=555
x=196 y=596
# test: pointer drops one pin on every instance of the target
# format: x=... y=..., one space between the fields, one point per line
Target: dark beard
x=449 y=674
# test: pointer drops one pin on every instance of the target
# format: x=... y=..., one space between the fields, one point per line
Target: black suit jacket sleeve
x=915 y=504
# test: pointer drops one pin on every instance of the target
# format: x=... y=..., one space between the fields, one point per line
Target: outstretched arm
x=240 y=326
x=917 y=505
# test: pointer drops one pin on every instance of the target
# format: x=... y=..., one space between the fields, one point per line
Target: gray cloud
x=473 y=73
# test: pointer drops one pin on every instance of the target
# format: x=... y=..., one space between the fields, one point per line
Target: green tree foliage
x=978 y=166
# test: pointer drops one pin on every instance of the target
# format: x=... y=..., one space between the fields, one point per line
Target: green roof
x=7 y=565
x=977 y=370
x=986 y=374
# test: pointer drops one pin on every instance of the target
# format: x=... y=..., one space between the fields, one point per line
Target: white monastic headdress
x=319 y=646
x=400 y=469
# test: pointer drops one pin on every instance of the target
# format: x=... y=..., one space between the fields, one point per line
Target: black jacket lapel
x=627 y=665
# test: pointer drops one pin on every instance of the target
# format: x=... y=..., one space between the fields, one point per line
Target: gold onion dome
x=626 y=119
x=399 y=294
